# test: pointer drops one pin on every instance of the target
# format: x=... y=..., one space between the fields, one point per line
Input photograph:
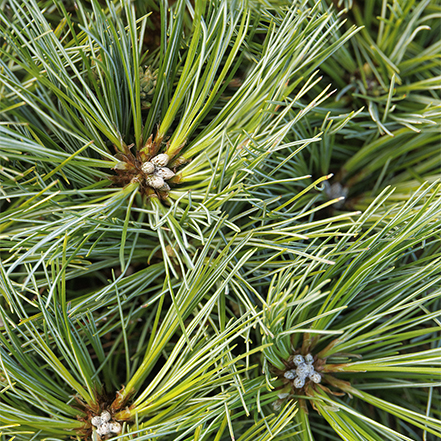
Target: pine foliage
x=220 y=220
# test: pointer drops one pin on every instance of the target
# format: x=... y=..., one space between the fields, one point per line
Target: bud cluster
x=304 y=369
x=147 y=82
x=105 y=427
x=157 y=173
x=336 y=191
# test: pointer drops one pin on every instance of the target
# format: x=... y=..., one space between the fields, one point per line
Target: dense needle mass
x=220 y=220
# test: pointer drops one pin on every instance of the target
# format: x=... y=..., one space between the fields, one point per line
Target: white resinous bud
x=298 y=359
x=309 y=358
x=302 y=370
x=160 y=160
x=290 y=375
x=103 y=430
x=96 y=421
x=165 y=187
x=164 y=172
x=299 y=382
x=277 y=405
x=155 y=181
x=283 y=395
x=115 y=428
x=148 y=168
x=105 y=416
x=315 y=377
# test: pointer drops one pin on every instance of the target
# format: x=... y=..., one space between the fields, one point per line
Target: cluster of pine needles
x=220 y=220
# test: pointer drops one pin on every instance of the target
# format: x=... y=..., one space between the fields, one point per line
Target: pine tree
x=220 y=220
